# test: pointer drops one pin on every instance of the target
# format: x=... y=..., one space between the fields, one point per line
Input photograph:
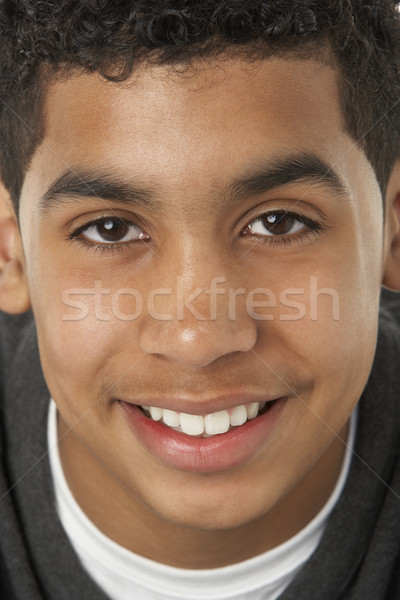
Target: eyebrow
x=76 y=185
x=282 y=171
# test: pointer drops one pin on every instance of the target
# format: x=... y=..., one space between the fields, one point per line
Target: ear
x=14 y=295
x=391 y=276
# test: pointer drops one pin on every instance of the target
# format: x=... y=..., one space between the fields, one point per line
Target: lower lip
x=203 y=454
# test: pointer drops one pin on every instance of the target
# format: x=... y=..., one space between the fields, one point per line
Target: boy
x=204 y=204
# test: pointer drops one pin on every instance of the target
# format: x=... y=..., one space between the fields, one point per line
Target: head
x=42 y=41
x=173 y=131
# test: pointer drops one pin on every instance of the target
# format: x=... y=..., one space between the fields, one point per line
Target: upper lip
x=205 y=406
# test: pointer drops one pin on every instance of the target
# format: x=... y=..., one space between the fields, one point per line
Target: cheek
x=332 y=332
x=82 y=325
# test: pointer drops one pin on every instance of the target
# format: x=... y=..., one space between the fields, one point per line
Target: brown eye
x=111 y=231
x=277 y=223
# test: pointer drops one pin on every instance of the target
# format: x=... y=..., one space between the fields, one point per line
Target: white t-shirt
x=124 y=575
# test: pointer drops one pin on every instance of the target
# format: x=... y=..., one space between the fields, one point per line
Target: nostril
x=197 y=343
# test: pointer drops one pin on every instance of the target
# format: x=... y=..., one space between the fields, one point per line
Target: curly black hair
x=40 y=39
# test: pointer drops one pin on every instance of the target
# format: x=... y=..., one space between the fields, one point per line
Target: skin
x=187 y=138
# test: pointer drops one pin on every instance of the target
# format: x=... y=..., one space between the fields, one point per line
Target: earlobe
x=391 y=277
x=14 y=295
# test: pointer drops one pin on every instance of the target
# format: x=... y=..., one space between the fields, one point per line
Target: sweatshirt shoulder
x=390 y=307
x=13 y=332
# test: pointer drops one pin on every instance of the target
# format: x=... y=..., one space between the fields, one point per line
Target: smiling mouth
x=212 y=424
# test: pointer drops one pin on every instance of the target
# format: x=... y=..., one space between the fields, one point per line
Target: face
x=243 y=173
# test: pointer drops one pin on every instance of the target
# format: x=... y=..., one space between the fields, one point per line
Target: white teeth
x=212 y=424
x=239 y=415
x=192 y=424
x=252 y=410
x=218 y=422
x=171 y=418
x=156 y=413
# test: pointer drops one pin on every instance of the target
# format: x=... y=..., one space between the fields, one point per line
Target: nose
x=201 y=325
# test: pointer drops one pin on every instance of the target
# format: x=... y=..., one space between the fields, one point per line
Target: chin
x=210 y=510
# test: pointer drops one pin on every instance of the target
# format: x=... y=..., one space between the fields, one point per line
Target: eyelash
x=279 y=240
x=313 y=229
x=104 y=248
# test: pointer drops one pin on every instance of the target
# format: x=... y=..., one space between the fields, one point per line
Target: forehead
x=197 y=128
